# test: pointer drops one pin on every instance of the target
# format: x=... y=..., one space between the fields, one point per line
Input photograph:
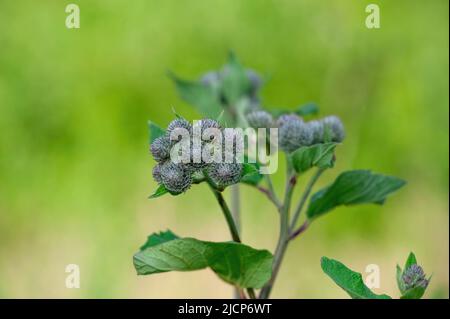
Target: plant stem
x=227 y=214
x=300 y=230
x=283 y=239
x=235 y=210
x=233 y=230
x=236 y=206
x=304 y=197
x=271 y=192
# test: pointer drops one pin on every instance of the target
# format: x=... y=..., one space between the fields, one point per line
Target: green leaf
x=353 y=187
x=399 y=275
x=251 y=174
x=204 y=98
x=414 y=293
x=160 y=191
x=410 y=261
x=307 y=109
x=235 y=263
x=235 y=83
x=158 y=238
x=348 y=280
x=154 y=131
x=320 y=155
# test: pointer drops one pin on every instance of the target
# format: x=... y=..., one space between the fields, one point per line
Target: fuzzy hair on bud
x=225 y=174
x=293 y=133
x=316 y=128
x=178 y=124
x=287 y=118
x=175 y=177
x=156 y=173
x=414 y=276
x=160 y=148
x=260 y=119
x=334 y=128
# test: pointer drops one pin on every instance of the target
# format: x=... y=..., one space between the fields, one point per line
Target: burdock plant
x=229 y=97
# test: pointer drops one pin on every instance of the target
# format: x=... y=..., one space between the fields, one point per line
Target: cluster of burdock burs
x=293 y=133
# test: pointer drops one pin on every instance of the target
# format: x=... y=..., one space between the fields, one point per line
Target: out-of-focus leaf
x=154 y=131
x=319 y=155
x=235 y=263
x=348 y=280
x=353 y=187
x=203 y=97
x=235 y=83
x=307 y=109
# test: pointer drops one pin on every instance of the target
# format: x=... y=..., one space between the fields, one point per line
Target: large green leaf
x=353 y=187
x=320 y=155
x=203 y=97
x=235 y=83
x=235 y=263
x=348 y=280
x=154 y=131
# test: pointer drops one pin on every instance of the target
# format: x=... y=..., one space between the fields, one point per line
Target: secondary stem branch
x=304 y=197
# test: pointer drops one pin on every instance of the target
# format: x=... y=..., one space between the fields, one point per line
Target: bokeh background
x=75 y=171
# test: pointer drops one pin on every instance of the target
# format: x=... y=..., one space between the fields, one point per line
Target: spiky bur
x=156 y=173
x=260 y=119
x=179 y=123
x=413 y=277
x=160 y=148
x=224 y=174
x=333 y=129
x=175 y=177
x=293 y=133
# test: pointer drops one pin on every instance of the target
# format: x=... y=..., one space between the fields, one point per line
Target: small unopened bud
x=255 y=81
x=225 y=174
x=414 y=277
x=293 y=133
x=286 y=118
x=175 y=177
x=333 y=129
x=160 y=148
x=260 y=119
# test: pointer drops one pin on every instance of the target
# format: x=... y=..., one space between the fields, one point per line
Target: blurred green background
x=75 y=171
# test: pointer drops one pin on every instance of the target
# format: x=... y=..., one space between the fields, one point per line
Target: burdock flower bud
x=175 y=177
x=211 y=78
x=286 y=118
x=254 y=79
x=209 y=124
x=178 y=124
x=157 y=173
x=160 y=148
x=333 y=129
x=260 y=119
x=224 y=174
x=316 y=128
x=293 y=133
x=414 y=277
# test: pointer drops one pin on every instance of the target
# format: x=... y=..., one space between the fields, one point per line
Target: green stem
x=271 y=192
x=231 y=225
x=235 y=209
x=304 y=197
x=283 y=239
x=227 y=214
